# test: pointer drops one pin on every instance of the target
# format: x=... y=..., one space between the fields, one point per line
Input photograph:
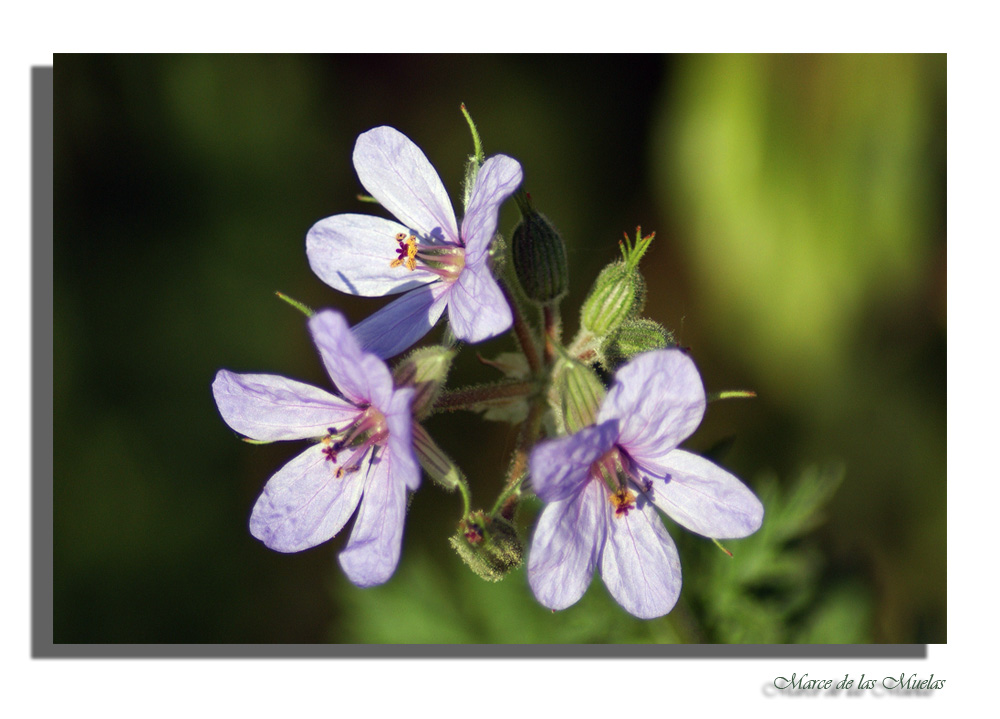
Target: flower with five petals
x=364 y=453
x=424 y=256
x=603 y=482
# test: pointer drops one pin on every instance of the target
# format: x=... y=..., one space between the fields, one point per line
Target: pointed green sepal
x=732 y=394
x=304 y=309
x=475 y=160
x=719 y=545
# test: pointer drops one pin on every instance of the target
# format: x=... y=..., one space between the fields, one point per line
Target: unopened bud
x=426 y=370
x=580 y=392
x=489 y=545
x=438 y=465
x=539 y=255
x=631 y=338
x=618 y=294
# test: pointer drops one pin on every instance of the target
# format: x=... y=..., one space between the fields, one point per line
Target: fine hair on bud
x=618 y=294
x=634 y=337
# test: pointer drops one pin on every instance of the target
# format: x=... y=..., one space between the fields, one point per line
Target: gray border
x=42 y=520
x=42 y=618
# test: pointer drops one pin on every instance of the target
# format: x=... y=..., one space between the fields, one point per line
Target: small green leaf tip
x=719 y=545
x=476 y=142
x=304 y=309
x=732 y=394
x=633 y=252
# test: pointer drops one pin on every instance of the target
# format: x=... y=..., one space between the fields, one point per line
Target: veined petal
x=400 y=444
x=559 y=466
x=402 y=322
x=566 y=547
x=703 y=497
x=353 y=254
x=305 y=503
x=372 y=552
x=477 y=309
x=397 y=174
x=659 y=401
x=361 y=377
x=269 y=408
x=497 y=179
x=639 y=562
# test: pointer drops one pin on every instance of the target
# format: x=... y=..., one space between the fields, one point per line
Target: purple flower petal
x=304 y=503
x=402 y=322
x=477 y=308
x=704 y=498
x=269 y=408
x=372 y=552
x=566 y=547
x=353 y=254
x=639 y=564
x=559 y=466
x=400 y=443
x=659 y=401
x=361 y=377
x=397 y=174
x=497 y=179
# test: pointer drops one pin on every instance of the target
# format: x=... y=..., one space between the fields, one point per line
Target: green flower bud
x=580 y=392
x=539 y=255
x=489 y=545
x=631 y=338
x=426 y=370
x=619 y=292
x=438 y=465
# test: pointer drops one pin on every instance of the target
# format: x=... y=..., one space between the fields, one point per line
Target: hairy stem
x=469 y=397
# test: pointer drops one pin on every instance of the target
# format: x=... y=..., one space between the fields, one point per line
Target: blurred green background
x=799 y=206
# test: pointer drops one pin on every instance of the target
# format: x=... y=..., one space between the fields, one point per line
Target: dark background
x=799 y=208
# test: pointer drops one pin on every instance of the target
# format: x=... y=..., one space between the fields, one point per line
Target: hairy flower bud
x=426 y=370
x=580 y=393
x=489 y=545
x=539 y=255
x=618 y=294
x=631 y=338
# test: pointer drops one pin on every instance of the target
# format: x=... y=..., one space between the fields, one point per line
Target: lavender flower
x=603 y=482
x=424 y=255
x=364 y=454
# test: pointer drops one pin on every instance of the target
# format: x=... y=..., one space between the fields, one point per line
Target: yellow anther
x=407 y=252
x=623 y=500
